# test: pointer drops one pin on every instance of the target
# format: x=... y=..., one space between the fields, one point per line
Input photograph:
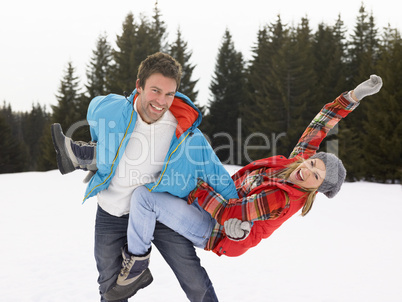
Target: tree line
x=258 y=108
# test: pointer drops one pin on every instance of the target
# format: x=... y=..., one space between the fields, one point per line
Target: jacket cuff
x=346 y=101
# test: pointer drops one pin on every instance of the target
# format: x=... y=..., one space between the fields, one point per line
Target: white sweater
x=140 y=164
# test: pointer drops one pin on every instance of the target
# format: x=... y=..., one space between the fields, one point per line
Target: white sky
x=38 y=38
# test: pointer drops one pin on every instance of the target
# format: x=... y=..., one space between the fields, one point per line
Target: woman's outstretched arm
x=331 y=114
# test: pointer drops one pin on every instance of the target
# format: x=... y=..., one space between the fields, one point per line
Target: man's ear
x=137 y=85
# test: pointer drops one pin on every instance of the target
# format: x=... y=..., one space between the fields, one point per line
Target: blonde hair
x=311 y=193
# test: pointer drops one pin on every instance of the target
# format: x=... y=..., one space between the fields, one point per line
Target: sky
x=39 y=38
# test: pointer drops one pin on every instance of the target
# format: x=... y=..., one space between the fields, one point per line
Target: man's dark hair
x=159 y=63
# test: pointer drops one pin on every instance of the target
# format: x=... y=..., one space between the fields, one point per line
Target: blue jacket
x=112 y=119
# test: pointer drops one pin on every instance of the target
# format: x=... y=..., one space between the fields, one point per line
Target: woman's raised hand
x=368 y=87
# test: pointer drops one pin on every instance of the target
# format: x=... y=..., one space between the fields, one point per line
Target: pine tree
x=13 y=120
x=178 y=50
x=383 y=156
x=265 y=115
x=146 y=41
x=329 y=59
x=150 y=36
x=282 y=81
x=123 y=73
x=300 y=101
x=13 y=154
x=134 y=45
x=33 y=125
x=227 y=89
x=362 y=55
x=330 y=68
x=67 y=113
x=257 y=79
x=47 y=159
x=363 y=50
x=158 y=31
x=98 y=68
x=98 y=71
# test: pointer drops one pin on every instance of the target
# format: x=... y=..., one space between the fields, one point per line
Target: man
x=150 y=138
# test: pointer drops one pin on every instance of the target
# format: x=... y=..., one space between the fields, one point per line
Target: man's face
x=156 y=97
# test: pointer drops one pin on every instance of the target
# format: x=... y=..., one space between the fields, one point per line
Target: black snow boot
x=133 y=276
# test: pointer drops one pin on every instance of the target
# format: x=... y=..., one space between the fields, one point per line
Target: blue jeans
x=178 y=252
x=190 y=221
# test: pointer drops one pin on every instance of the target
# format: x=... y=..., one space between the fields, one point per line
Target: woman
x=270 y=191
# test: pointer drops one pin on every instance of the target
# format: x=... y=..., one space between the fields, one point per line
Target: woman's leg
x=146 y=208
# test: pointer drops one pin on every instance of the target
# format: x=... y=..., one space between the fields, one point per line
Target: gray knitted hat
x=335 y=174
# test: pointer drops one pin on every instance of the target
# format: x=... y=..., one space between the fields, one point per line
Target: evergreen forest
x=258 y=108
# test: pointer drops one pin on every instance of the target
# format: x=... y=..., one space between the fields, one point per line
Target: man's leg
x=180 y=254
x=110 y=237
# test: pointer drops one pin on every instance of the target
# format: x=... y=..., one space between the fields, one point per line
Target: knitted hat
x=335 y=174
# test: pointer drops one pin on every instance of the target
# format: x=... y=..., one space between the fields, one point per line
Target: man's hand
x=236 y=229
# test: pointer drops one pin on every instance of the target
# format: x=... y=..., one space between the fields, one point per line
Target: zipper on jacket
x=114 y=160
x=167 y=162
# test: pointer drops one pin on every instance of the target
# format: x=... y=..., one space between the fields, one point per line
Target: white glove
x=236 y=229
x=368 y=87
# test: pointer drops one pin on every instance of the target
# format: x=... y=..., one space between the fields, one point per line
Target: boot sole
x=129 y=290
x=63 y=162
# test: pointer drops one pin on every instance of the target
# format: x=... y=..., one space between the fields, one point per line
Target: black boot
x=133 y=276
x=72 y=155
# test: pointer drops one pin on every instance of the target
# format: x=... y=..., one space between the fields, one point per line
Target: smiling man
x=143 y=140
x=149 y=139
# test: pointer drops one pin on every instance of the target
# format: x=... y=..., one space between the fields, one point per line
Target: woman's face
x=309 y=174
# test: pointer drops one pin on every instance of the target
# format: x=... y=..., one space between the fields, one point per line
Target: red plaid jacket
x=262 y=199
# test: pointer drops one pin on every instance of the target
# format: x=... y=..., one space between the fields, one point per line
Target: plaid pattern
x=319 y=127
x=250 y=207
x=269 y=202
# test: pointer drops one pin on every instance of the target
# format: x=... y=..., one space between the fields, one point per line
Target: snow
x=347 y=249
